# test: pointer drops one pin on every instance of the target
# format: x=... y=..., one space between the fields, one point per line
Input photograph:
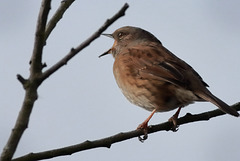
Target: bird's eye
x=120 y=35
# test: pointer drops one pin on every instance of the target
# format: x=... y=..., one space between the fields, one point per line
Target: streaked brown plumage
x=152 y=77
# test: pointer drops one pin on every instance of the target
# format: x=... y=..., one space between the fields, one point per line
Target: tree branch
x=108 y=141
x=36 y=76
x=57 y=16
x=36 y=60
x=30 y=85
x=75 y=51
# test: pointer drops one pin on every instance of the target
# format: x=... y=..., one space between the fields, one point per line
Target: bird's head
x=129 y=36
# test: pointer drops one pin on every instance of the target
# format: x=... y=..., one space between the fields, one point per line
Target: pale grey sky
x=82 y=101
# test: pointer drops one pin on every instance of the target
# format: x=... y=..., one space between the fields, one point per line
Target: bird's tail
x=208 y=96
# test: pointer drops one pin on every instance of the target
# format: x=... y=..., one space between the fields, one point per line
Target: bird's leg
x=173 y=119
x=144 y=126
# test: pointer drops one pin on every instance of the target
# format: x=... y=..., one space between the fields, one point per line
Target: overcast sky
x=82 y=101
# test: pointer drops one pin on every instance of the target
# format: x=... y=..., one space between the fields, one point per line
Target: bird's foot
x=143 y=126
x=175 y=126
x=174 y=119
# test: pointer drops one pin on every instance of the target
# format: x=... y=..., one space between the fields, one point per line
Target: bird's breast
x=130 y=83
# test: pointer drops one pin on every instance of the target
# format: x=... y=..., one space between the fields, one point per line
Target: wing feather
x=165 y=66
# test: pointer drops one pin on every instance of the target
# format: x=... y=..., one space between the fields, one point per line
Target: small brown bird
x=152 y=77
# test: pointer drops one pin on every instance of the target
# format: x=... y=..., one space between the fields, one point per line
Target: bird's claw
x=175 y=126
x=145 y=135
x=144 y=128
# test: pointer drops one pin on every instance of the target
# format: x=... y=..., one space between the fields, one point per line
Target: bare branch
x=57 y=16
x=75 y=51
x=108 y=141
x=36 y=60
x=30 y=85
x=36 y=76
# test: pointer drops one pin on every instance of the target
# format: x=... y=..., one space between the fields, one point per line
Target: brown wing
x=160 y=64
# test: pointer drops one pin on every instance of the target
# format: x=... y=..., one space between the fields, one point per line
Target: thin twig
x=75 y=51
x=21 y=79
x=108 y=141
x=57 y=16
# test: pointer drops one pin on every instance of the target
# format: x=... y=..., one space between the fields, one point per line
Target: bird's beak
x=109 y=51
x=108 y=35
x=105 y=53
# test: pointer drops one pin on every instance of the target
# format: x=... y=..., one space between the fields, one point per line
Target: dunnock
x=152 y=77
